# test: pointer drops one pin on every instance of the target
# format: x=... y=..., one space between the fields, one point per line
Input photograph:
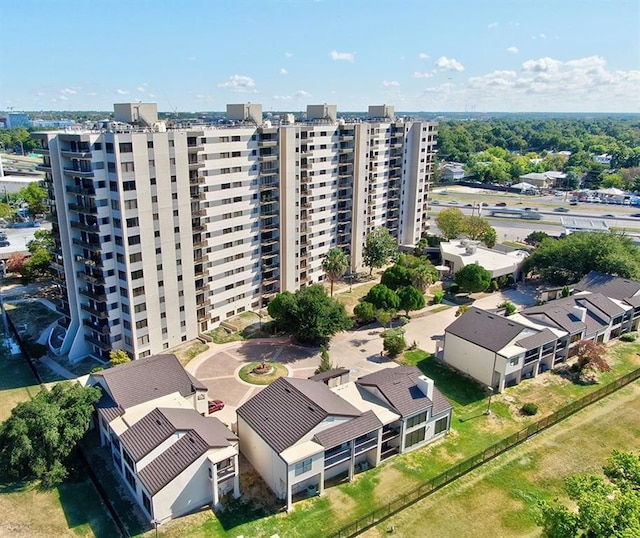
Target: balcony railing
x=365 y=445
x=337 y=458
x=102 y=345
x=102 y=314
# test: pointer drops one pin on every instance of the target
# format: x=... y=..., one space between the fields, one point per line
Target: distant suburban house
x=299 y=433
x=544 y=180
x=452 y=172
x=603 y=158
x=499 y=351
x=172 y=456
x=462 y=252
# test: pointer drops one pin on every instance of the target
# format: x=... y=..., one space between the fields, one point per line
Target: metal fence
x=404 y=501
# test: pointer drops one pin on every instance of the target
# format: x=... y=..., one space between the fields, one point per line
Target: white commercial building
x=163 y=231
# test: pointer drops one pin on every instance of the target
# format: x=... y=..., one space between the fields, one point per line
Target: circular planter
x=251 y=373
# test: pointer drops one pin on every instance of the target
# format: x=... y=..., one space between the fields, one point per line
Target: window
x=134 y=240
x=150 y=144
x=146 y=502
x=133 y=258
x=126 y=147
x=129 y=476
x=108 y=147
x=131 y=204
x=418 y=419
x=127 y=167
x=141 y=324
x=137 y=274
x=138 y=291
x=414 y=437
x=303 y=466
x=441 y=425
x=132 y=222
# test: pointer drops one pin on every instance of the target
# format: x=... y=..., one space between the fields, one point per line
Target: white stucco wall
x=469 y=358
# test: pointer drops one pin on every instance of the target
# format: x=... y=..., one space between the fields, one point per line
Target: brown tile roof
x=168 y=465
x=545 y=336
x=633 y=301
x=485 y=329
x=347 y=431
x=289 y=408
x=107 y=408
x=611 y=286
x=399 y=387
x=146 y=379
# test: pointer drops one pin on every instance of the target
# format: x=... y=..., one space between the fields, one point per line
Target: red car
x=215 y=405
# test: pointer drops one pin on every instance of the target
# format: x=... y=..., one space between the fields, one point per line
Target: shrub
x=97 y=369
x=403 y=320
x=510 y=280
x=529 y=409
x=394 y=345
x=629 y=337
x=454 y=288
x=438 y=297
x=509 y=308
x=493 y=286
x=364 y=312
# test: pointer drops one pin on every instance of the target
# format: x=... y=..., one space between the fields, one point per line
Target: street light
x=488 y=410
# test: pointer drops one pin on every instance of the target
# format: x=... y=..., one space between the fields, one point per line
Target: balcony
x=365 y=445
x=84 y=191
x=75 y=154
x=267 y=143
x=194 y=148
x=41 y=151
x=102 y=345
x=78 y=172
x=57 y=266
x=102 y=314
x=102 y=329
x=194 y=164
x=96 y=280
x=335 y=458
x=198 y=180
x=389 y=433
x=92 y=210
x=43 y=167
x=84 y=226
x=268 y=157
x=226 y=473
x=94 y=261
x=100 y=297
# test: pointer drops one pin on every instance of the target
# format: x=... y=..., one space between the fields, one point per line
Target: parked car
x=485 y=204
x=453 y=202
x=561 y=210
x=4 y=243
x=608 y=216
x=215 y=405
x=435 y=202
x=501 y=204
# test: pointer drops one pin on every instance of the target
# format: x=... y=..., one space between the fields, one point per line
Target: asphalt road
x=18 y=239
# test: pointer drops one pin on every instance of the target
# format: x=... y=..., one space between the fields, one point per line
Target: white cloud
x=390 y=84
x=141 y=89
x=541 y=65
x=513 y=50
x=418 y=74
x=151 y=95
x=121 y=92
x=40 y=94
x=301 y=94
x=493 y=24
x=288 y=54
x=282 y=97
x=539 y=36
x=342 y=56
x=63 y=97
x=423 y=56
x=239 y=83
x=92 y=94
x=68 y=91
x=449 y=64
x=283 y=71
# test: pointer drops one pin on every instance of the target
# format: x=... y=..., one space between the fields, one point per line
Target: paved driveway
x=358 y=350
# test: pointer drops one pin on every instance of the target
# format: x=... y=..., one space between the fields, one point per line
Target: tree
x=364 y=312
x=325 y=361
x=490 y=238
x=461 y=310
x=567 y=260
x=423 y=276
x=38 y=437
x=473 y=278
x=334 y=265
x=383 y=298
x=396 y=277
x=394 y=344
x=590 y=355
x=37 y=265
x=42 y=240
x=309 y=315
x=607 y=507
x=118 y=356
x=476 y=227
x=385 y=317
x=410 y=299
x=451 y=223
x=35 y=196
x=535 y=238
x=509 y=307
x=421 y=246
x=379 y=245
x=15 y=263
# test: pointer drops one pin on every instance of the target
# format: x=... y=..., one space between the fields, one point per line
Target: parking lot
x=18 y=238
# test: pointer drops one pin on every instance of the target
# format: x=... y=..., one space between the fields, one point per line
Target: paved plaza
x=359 y=351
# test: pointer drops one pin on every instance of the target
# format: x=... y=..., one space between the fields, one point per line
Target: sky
x=419 y=55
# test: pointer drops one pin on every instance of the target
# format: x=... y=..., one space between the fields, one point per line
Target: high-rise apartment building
x=162 y=233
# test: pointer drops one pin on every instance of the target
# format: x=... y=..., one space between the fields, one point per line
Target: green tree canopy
x=473 y=278
x=364 y=312
x=451 y=222
x=379 y=245
x=383 y=298
x=607 y=507
x=476 y=227
x=334 y=264
x=410 y=299
x=38 y=437
x=567 y=260
x=118 y=356
x=396 y=277
x=535 y=238
x=36 y=197
x=309 y=315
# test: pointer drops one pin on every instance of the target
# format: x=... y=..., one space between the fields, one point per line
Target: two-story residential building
x=172 y=456
x=299 y=433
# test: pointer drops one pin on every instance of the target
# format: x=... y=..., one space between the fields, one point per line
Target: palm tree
x=334 y=265
x=422 y=277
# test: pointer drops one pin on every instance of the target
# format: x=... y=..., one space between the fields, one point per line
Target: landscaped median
x=472 y=433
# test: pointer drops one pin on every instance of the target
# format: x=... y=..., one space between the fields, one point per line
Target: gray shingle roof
x=485 y=329
x=611 y=286
x=147 y=434
x=324 y=376
x=146 y=379
x=163 y=469
x=602 y=303
x=107 y=408
x=399 y=387
x=541 y=338
x=633 y=301
x=347 y=431
x=560 y=312
x=289 y=408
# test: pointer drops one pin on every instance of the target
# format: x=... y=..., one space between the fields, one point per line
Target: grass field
x=499 y=499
